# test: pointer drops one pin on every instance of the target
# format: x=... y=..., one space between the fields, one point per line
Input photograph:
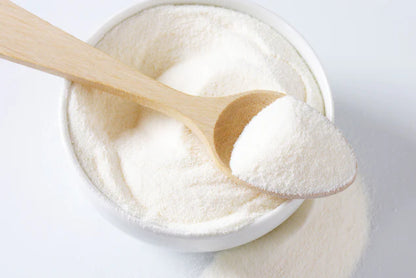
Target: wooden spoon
x=217 y=121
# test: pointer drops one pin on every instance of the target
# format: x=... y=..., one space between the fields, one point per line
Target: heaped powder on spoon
x=152 y=166
x=291 y=149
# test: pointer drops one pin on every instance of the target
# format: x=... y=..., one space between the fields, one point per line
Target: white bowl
x=261 y=225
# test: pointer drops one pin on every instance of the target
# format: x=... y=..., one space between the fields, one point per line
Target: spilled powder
x=291 y=149
x=324 y=238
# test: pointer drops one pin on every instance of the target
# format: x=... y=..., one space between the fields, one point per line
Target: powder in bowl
x=152 y=166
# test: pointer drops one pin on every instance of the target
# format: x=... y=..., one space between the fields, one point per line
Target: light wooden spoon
x=217 y=121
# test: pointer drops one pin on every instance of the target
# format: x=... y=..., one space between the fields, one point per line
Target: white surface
x=49 y=228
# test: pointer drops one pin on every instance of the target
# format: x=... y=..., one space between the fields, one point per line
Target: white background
x=49 y=229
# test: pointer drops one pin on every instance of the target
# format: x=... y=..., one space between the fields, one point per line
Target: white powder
x=154 y=168
x=291 y=149
x=151 y=165
x=324 y=238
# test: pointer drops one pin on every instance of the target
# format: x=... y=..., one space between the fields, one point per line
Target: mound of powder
x=324 y=238
x=152 y=166
x=291 y=149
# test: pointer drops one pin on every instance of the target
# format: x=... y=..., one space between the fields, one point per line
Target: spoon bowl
x=232 y=120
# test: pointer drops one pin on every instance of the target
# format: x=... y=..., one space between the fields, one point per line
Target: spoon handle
x=31 y=41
